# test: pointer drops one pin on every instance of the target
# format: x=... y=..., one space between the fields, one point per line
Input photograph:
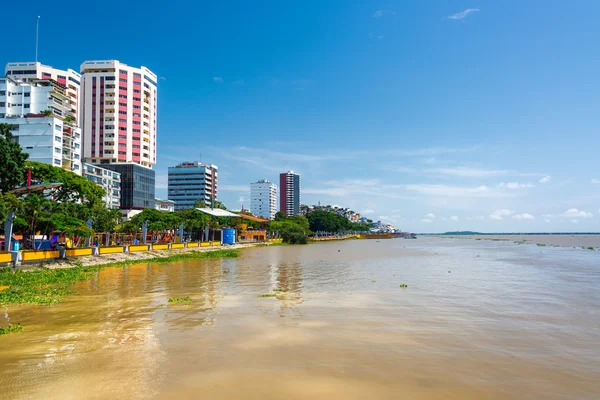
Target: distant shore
x=565 y=240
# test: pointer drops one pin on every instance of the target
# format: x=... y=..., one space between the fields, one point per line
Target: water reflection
x=478 y=320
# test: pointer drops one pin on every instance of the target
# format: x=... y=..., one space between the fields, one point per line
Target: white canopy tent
x=217 y=212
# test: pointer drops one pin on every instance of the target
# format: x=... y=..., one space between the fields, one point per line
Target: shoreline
x=587 y=242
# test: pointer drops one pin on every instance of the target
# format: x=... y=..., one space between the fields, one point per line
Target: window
x=74 y=80
x=61 y=77
x=57 y=127
x=57 y=161
x=136 y=75
x=26 y=105
x=122 y=80
x=137 y=99
x=109 y=78
x=2 y=92
x=122 y=71
x=123 y=96
x=57 y=150
x=57 y=139
x=123 y=104
x=122 y=120
x=27 y=94
x=137 y=91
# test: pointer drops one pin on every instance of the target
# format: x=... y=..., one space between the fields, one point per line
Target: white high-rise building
x=263 y=199
x=119 y=113
x=42 y=119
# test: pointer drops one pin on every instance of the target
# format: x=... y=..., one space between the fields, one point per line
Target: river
x=478 y=320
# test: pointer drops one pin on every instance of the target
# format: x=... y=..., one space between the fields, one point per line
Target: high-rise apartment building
x=70 y=81
x=42 y=117
x=263 y=199
x=192 y=181
x=289 y=193
x=119 y=113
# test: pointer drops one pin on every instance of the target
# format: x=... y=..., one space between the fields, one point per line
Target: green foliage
x=268 y=295
x=293 y=233
x=12 y=160
x=11 y=329
x=186 y=299
x=280 y=216
x=403 y=286
x=46 y=287
x=327 y=221
x=47 y=113
x=74 y=187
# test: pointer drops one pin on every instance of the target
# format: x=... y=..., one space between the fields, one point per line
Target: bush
x=293 y=234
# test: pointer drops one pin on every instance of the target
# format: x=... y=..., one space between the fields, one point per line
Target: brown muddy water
x=478 y=320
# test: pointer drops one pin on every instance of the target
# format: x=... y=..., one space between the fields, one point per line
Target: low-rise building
x=164 y=205
x=109 y=180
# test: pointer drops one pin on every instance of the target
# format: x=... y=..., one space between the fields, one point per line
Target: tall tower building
x=119 y=113
x=192 y=181
x=263 y=199
x=289 y=193
x=119 y=127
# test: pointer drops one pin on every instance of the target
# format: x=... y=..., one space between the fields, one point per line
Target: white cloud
x=430 y=216
x=574 y=221
x=381 y=13
x=596 y=181
x=523 y=216
x=514 y=185
x=241 y=199
x=545 y=179
x=454 y=218
x=573 y=212
x=427 y=221
x=548 y=221
x=463 y=14
x=466 y=172
x=234 y=188
x=218 y=79
x=548 y=215
x=499 y=214
x=367 y=212
x=479 y=218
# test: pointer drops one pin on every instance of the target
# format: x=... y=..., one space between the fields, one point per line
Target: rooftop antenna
x=37 y=35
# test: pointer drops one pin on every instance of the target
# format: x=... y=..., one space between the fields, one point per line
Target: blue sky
x=435 y=116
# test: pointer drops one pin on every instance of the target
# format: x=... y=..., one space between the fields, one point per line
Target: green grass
x=541 y=245
x=266 y=296
x=46 y=287
x=186 y=299
x=11 y=329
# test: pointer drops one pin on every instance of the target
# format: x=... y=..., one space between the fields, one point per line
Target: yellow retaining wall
x=79 y=252
x=277 y=240
x=138 y=247
x=177 y=245
x=216 y=243
x=163 y=246
x=33 y=255
x=192 y=244
x=5 y=257
x=204 y=244
x=111 y=249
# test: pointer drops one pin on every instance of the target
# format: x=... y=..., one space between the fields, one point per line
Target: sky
x=433 y=116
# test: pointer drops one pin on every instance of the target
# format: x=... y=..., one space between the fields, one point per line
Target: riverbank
x=47 y=285
x=576 y=241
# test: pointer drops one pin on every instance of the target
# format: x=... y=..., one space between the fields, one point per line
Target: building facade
x=43 y=120
x=70 y=80
x=164 y=205
x=192 y=181
x=119 y=113
x=109 y=180
x=137 y=186
x=289 y=193
x=263 y=199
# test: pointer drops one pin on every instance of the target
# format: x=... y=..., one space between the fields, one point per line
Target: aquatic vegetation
x=278 y=290
x=541 y=245
x=46 y=287
x=403 y=286
x=266 y=296
x=373 y=281
x=449 y=271
x=11 y=329
x=186 y=299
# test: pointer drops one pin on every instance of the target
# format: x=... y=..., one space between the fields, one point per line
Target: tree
x=280 y=216
x=47 y=113
x=293 y=234
x=12 y=160
x=73 y=187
